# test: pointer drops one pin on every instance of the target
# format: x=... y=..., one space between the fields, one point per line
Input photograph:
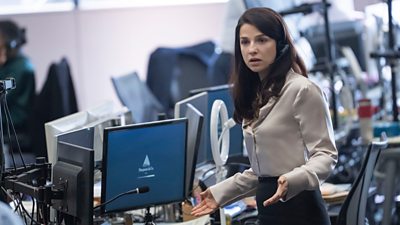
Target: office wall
x=103 y=43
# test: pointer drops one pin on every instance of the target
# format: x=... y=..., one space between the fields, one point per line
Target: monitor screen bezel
x=212 y=88
x=192 y=111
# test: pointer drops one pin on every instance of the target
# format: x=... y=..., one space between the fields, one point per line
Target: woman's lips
x=254 y=62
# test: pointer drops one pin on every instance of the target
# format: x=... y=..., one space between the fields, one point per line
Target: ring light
x=219 y=150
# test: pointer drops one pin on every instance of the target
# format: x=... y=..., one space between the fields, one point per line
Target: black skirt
x=306 y=208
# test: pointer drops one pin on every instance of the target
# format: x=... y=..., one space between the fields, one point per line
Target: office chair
x=137 y=97
x=353 y=210
x=173 y=72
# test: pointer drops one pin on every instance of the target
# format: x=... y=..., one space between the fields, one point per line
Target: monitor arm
x=31 y=180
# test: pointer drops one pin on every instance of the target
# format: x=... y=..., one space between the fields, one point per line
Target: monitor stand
x=148 y=218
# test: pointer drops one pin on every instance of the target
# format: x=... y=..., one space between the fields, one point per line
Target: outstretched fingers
x=201 y=209
x=207 y=204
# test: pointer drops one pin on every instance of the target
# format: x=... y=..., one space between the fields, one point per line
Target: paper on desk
x=199 y=221
x=334 y=193
x=330 y=189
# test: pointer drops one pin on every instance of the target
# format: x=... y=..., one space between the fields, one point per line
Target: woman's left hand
x=280 y=192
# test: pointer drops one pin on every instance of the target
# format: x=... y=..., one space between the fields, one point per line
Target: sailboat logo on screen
x=146 y=170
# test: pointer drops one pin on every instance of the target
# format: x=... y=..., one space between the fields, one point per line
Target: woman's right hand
x=207 y=205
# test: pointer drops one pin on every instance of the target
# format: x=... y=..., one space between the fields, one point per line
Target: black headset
x=16 y=41
x=13 y=35
x=281 y=46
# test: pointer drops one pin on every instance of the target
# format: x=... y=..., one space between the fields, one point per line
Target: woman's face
x=258 y=50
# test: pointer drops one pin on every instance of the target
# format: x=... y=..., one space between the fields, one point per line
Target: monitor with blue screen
x=151 y=154
x=203 y=99
x=236 y=135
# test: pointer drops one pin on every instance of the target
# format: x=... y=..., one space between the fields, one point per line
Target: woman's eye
x=243 y=42
x=262 y=40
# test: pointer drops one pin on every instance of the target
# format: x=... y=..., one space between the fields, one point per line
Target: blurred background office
x=108 y=38
x=167 y=48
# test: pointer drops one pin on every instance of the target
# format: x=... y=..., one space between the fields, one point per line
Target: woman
x=286 y=125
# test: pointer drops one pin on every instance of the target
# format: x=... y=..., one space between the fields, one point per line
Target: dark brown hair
x=249 y=92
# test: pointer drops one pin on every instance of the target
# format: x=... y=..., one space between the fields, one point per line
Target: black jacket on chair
x=56 y=99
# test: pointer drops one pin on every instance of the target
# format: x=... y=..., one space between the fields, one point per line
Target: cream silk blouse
x=293 y=137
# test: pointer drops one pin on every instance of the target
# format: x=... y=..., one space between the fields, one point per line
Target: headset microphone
x=281 y=51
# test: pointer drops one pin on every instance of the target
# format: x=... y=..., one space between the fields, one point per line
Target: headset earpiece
x=282 y=46
x=16 y=40
x=12 y=44
x=281 y=49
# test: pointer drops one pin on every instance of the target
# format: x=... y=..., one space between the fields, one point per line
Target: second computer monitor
x=195 y=123
x=203 y=99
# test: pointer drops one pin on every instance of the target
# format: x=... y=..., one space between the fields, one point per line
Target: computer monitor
x=62 y=125
x=73 y=175
x=195 y=125
x=98 y=127
x=97 y=115
x=200 y=102
x=236 y=135
x=107 y=109
x=82 y=137
x=203 y=99
x=151 y=154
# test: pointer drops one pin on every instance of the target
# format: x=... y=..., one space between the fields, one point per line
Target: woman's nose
x=252 y=48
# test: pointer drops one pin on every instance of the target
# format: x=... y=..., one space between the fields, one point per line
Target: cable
x=15 y=133
x=29 y=216
x=10 y=150
x=33 y=209
x=18 y=207
x=138 y=190
x=9 y=196
x=226 y=126
x=2 y=160
x=23 y=208
x=4 y=107
x=14 y=199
